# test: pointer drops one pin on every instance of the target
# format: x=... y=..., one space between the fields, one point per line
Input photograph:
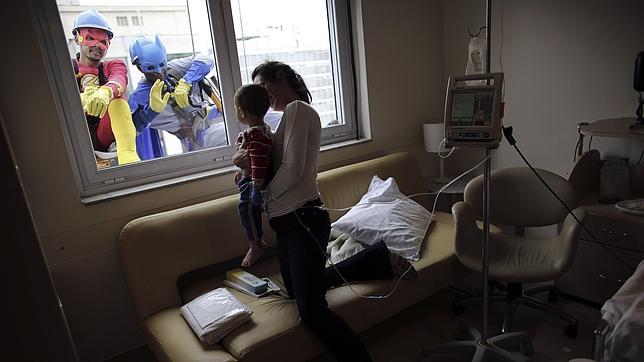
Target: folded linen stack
x=215 y=314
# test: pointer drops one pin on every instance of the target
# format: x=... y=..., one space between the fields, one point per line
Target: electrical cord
x=579 y=146
x=440 y=145
x=507 y=132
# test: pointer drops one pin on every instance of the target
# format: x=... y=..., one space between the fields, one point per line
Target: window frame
x=97 y=185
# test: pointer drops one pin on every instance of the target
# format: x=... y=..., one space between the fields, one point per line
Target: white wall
x=402 y=62
x=564 y=62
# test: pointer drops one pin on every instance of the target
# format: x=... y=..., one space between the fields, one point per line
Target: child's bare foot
x=254 y=253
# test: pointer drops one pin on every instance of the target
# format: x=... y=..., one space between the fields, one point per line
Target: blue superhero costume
x=198 y=125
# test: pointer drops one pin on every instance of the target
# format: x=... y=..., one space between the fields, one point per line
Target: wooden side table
x=612 y=127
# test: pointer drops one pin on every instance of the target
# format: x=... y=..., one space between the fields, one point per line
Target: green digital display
x=463 y=105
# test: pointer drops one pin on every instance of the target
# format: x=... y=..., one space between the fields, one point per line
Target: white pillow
x=384 y=213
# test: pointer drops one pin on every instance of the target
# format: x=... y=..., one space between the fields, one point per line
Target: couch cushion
x=275 y=325
x=343 y=187
x=172 y=339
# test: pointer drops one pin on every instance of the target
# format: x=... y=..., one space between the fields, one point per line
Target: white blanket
x=624 y=313
x=342 y=246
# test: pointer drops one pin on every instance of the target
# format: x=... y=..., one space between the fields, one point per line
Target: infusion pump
x=473 y=110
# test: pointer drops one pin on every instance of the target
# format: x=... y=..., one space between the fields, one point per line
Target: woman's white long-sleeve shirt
x=296 y=147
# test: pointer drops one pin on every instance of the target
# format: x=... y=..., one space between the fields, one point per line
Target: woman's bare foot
x=254 y=253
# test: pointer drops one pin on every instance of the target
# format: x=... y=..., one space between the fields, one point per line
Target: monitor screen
x=472 y=108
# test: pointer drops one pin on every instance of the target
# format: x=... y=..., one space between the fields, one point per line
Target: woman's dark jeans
x=302 y=237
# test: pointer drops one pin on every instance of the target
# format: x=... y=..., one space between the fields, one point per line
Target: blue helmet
x=92 y=19
x=149 y=54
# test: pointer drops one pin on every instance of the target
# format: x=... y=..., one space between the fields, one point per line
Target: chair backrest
x=518 y=198
x=584 y=176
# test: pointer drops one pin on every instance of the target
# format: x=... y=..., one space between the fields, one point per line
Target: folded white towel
x=215 y=314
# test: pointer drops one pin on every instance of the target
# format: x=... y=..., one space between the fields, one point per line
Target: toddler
x=251 y=104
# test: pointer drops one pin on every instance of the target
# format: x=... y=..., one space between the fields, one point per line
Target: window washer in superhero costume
x=176 y=96
x=102 y=88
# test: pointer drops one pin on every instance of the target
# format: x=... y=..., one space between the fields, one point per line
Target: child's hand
x=238 y=176
x=256 y=197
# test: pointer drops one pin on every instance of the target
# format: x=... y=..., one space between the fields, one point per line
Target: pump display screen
x=472 y=108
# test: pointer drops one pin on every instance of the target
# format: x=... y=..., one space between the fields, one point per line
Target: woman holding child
x=302 y=228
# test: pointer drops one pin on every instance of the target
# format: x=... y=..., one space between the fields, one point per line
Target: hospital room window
x=152 y=143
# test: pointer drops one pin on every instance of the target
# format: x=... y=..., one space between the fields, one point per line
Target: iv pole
x=485 y=267
x=493 y=348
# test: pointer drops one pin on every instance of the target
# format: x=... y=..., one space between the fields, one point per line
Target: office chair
x=584 y=176
x=519 y=200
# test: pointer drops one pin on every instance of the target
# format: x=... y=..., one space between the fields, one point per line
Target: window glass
x=176 y=44
x=294 y=32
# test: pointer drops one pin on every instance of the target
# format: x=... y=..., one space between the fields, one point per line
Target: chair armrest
x=466 y=230
x=567 y=243
x=599 y=338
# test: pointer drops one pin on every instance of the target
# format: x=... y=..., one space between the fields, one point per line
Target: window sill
x=95 y=199
x=344 y=144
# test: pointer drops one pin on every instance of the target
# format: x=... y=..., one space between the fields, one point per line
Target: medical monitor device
x=473 y=110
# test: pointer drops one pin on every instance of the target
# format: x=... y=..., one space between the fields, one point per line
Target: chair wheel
x=526 y=347
x=458 y=309
x=571 y=330
x=553 y=296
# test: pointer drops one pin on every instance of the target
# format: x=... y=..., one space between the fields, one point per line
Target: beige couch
x=156 y=249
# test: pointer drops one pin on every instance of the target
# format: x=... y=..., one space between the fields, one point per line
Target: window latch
x=114 y=180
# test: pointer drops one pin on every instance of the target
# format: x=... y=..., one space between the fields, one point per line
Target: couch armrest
x=155 y=250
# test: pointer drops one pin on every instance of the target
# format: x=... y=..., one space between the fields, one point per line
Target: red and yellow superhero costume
x=108 y=80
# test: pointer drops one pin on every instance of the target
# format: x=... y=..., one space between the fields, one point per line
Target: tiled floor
x=432 y=323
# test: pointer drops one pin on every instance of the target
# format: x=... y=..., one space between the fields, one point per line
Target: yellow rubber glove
x=96 y=104
x=124 y=131
x=87 y=92
x=181 y=93
x=158 y=102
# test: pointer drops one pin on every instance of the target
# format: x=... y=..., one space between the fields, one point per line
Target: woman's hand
x=240 y=158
